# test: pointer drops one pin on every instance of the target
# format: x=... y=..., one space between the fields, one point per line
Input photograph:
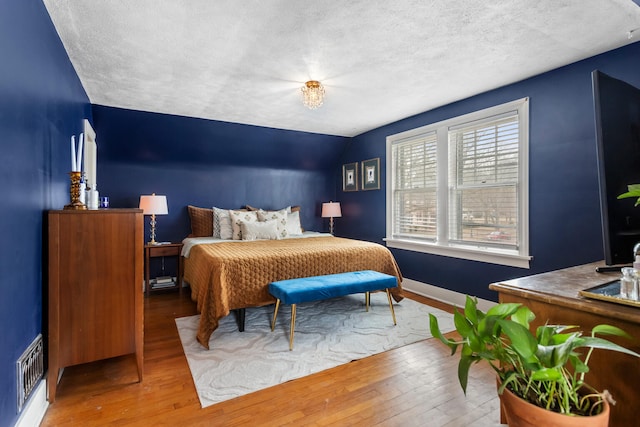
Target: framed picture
x=350 y=177
x=371 y=174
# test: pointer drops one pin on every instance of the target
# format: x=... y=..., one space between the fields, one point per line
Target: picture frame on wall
x=371 y=174
x=350 y=177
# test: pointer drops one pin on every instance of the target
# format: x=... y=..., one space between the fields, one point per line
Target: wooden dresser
x=95 y=288
x=554 y=297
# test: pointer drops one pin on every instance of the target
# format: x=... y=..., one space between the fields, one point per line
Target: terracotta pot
x=520 y=413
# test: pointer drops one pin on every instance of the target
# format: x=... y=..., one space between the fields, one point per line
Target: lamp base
x=152 y=233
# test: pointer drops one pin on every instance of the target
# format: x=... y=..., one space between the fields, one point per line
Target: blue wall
x=210 y=163
x=564 y=224
x=42 y=103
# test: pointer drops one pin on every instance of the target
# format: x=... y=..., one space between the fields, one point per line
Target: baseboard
x=443 y=295
x=35 y=408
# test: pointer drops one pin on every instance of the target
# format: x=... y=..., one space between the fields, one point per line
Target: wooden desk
x=554 y=297
x=169 y=249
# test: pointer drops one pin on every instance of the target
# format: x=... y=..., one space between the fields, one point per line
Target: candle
x=73 y=153
x=79 y=161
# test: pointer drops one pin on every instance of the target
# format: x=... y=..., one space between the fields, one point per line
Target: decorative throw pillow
x=241 y=215
x=252 y=208
x=293 y=224
x=259 y=230
x=279 y=216
x=297 y=209
x=222 y=228
x=201 y=221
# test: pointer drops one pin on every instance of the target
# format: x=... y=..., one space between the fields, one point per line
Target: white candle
x=73 y=153
x=79 y=161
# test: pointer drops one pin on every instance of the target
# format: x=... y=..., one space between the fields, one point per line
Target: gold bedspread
x=232 y=275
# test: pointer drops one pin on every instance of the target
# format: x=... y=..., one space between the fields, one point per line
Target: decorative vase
x=520 y=413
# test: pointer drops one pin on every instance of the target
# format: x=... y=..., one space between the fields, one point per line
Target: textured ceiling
x=379 y=60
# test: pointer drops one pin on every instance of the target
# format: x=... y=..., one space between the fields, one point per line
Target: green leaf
x=475 y=343
x=523 y=316
x=547 y=374
x=463 y=371
x=579 y=366
x=503 y=310
x=610 y=330
x=435 y=331
x=462 y=324
x=470 y=310
x=544 y=334
x=595 y=342
x=522 y=340
x=633 y=191
x=545 y=355
x=562 y=338
x=560 y=352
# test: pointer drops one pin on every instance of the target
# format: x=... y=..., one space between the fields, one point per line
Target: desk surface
x=563 y=287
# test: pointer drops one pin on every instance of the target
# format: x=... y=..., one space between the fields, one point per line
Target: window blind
x=483 y=179
x=414 y=186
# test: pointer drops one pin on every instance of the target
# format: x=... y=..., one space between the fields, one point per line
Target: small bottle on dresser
x=635 y=293
x=627 y=282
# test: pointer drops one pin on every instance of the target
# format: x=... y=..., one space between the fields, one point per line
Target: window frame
x=519 y=257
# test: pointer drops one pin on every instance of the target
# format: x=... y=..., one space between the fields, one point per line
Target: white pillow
x=293 y=224
x=279 y=216
x=259 y=230
x=251 y=208
x=236 y=217
x=222 y=224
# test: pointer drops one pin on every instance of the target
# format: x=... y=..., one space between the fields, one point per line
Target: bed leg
x=240 y=318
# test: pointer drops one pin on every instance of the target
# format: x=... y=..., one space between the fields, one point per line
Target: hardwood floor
x=415 y=385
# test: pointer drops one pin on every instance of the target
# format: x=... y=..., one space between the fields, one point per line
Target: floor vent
x=30 y=368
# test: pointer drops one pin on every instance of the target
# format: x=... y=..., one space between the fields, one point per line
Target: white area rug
x=328 y=333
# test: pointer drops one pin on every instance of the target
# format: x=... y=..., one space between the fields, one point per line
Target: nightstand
x=164 y=250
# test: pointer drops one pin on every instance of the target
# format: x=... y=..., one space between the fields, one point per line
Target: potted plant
x=544 y=369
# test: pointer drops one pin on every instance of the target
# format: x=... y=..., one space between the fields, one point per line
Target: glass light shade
x=154 y=205
x=331 y=210
x=312 y=94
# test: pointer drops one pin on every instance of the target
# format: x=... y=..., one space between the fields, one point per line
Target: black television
x=617 y=118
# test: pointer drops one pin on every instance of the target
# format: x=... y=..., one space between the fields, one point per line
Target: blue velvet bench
x=306 y=289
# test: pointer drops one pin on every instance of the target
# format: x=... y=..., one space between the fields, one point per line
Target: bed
x=229 y=274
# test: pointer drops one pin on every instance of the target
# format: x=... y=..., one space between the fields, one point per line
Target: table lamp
x=331 y=210
x=153 y=205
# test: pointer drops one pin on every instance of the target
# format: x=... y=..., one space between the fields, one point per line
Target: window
x=459 y=187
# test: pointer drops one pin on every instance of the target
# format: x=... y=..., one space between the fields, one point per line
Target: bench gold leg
x=393 y=313
x=367 y=299
x=293 y=324
x=275 y=314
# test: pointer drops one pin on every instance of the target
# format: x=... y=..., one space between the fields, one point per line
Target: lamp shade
x=331 y=210
x=154 y=205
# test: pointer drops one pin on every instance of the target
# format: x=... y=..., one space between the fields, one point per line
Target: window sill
x=493 y=256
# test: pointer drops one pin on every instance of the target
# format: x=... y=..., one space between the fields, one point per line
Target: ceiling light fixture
x=312 y=94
